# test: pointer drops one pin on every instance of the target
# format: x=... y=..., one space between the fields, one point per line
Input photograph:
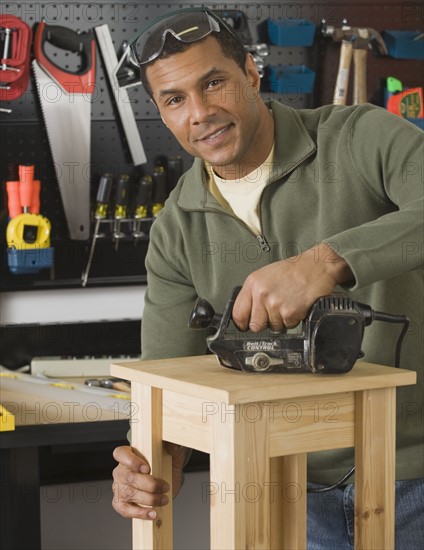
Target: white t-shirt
x=242 y=195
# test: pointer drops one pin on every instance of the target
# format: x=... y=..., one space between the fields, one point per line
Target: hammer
x=359 y=41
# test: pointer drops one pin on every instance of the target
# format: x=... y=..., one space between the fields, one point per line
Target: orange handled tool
x=35 y=200
x=13 y=198
x=27 y=233
x=12 y=188
x=26 y=178
x=23 y=191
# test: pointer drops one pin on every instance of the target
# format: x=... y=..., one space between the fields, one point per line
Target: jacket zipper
x=263 y=243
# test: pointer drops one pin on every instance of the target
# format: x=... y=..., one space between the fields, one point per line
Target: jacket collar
x=293 y=145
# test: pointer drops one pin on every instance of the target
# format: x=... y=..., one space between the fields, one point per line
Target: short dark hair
x=231 y=47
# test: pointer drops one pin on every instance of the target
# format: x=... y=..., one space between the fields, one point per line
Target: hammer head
x=360 y=38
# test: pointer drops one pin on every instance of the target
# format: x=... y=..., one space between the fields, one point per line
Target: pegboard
x=24 y=138
x=125 y=20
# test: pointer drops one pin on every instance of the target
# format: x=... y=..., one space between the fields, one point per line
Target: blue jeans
x=330 y=517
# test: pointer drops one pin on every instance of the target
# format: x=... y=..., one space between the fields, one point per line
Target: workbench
x=258 y=429
x=61 y=435
x=44 y=448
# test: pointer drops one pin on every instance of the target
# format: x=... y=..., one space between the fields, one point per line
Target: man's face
x=211 y=106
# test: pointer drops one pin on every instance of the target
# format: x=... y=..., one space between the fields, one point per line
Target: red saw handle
x=78 y=82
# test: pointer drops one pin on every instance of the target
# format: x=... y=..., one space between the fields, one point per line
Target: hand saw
x=65 y=99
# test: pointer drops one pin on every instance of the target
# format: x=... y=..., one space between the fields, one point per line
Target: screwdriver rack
x=131 y=229
x=24 y=138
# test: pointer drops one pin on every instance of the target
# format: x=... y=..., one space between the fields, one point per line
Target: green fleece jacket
x=348 y=176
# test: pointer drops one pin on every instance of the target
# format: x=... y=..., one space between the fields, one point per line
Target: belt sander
x=329 y=340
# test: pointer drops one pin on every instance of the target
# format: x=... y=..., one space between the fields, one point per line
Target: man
x=290 y=204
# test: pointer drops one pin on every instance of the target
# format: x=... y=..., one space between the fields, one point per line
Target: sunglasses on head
x=186 y=25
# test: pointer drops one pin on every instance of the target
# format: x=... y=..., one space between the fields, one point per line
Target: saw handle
x=80 y=81
x=67 y=39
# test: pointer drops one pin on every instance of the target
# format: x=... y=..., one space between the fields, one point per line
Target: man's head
x=178 y=32
x=207 y=91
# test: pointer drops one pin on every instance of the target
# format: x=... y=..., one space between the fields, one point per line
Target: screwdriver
x=159 y=189
x=142 y=201
x=102 y=201
x=121 y=203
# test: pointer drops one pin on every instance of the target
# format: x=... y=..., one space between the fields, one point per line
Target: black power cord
x=371 y=316
x=401 y=319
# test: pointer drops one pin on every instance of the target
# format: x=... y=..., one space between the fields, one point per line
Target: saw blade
x=68 y=124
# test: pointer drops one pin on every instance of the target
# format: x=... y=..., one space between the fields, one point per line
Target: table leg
x=240 y=478
x=288 y=503
x=375 y=442
x=20 y=498
x=146 y=435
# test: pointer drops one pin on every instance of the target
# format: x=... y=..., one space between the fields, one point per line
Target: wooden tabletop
x=202 y=376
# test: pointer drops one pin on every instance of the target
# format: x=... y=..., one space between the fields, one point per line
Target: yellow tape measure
x=28 y=231
x=7 y=420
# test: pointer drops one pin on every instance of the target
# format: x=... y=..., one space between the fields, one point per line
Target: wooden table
x=258 y=429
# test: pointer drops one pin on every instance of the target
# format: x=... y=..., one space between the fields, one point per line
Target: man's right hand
x=136 y=491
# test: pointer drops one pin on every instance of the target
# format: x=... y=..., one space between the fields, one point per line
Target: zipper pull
x=263 y=244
